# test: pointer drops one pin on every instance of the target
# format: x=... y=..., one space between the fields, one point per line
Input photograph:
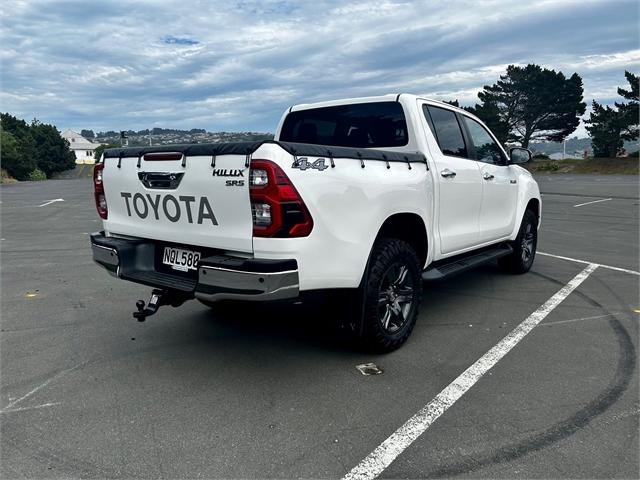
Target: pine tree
x=630 y=111
x=604 y=126
x=534 y=103
x=608 y=127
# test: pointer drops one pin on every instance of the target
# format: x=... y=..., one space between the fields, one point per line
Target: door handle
x=446 y=173
x=488 y=176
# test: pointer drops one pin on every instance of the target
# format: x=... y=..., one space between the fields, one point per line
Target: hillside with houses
x=165 y=136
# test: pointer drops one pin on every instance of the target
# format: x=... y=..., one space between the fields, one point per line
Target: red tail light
x=98 y=191
x=276 y=206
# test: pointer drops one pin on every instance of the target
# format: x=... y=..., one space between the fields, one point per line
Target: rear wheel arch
x=405 y=226
x=409 y=227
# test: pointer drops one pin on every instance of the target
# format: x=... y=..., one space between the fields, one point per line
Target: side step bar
x=460 y=263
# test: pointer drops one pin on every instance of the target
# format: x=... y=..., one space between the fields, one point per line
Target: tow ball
x=158 y=299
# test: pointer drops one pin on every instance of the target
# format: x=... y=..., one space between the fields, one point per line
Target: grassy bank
x=599 y=166
x=5 y=177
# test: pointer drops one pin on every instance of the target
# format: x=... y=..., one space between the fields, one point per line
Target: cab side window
x=487 y=150
x=446 y=129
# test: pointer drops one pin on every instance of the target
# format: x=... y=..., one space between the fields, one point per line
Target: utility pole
x=564 y=148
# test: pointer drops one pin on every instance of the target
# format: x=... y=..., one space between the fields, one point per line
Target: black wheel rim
x=528 y=243
x=395 y=297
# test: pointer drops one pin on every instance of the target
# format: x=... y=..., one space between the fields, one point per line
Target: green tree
x=489 y=113
x=534 y=103
x=53 y=151
x=605 y=128
x=22 y=133
x=19 y=154
x=13 y=160
x=87 y=134
x=609 y=127
x=101 y=148
x=630 y=111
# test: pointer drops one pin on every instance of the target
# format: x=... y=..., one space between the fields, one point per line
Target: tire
x=524 y=246
x=392 y=293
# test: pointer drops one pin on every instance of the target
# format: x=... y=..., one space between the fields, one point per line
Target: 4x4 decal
x=303 y=164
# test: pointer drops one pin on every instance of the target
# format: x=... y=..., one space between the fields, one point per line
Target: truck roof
x=390 y=97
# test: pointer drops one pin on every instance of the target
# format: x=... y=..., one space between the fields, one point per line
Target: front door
x=499 y=180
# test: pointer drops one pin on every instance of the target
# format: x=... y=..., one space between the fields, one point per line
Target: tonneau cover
x=247 y=148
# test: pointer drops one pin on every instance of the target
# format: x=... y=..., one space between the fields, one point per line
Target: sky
x=237 y=65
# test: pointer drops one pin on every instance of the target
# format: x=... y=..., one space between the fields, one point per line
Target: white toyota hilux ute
x=362 y=198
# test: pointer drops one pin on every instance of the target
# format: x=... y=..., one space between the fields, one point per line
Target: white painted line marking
x=27 y=395
x=618 y=269
x=378 y=460
x=22 y=409
x=580 y=319
x=589 y=203
x=51 y=201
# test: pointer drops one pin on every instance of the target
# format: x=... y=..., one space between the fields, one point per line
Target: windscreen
x=360 y=125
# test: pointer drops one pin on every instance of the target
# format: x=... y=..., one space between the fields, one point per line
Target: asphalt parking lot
x=86 y=391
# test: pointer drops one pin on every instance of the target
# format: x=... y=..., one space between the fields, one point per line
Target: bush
x=37 y=175
x=540 y=156
x=549 y=167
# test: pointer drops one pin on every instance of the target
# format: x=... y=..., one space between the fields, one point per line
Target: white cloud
x=238 y=65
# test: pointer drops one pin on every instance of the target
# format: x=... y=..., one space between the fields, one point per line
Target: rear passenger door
x=500 y=189
x=459 y=185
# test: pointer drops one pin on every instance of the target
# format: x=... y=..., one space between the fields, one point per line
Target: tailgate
x=194 y=204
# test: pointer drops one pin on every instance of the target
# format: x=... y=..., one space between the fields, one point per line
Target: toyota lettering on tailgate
x=171 y=207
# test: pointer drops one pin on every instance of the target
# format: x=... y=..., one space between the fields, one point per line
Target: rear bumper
x=219 y=277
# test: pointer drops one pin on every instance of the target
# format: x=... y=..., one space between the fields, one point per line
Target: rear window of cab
x=359 y=125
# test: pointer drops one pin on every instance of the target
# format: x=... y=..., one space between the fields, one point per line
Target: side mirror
x=519 y=155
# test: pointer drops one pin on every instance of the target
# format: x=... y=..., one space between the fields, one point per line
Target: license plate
x=180 y=259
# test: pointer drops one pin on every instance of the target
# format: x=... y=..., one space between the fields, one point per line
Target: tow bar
x=158 y=299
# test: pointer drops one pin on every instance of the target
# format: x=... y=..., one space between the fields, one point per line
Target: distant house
x=83 y=148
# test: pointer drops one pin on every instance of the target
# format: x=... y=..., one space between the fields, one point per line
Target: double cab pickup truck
x=363 y=198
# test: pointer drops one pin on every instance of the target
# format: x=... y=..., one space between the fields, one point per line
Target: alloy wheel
x=528 y=243
x=395 y=297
